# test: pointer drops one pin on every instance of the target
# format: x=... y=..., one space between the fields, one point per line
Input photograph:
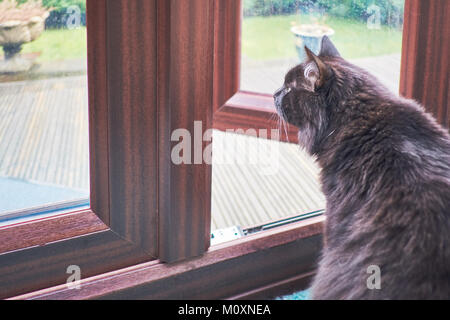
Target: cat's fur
x=386 y=177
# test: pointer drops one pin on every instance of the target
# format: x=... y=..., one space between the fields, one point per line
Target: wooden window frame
x=147 y=232
x=425 y=56
x=114 y=233
x=234 y=108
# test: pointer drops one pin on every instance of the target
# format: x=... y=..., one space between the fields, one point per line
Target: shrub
x=391 y=11
x=64 y=4
x=273 y=7
x=58 y=16
x=59 y=4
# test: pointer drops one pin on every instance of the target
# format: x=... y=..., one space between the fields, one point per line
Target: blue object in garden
x=309 y=35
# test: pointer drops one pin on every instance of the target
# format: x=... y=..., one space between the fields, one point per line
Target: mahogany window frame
x=109 y=235
x=235 y=108
x=153 y=66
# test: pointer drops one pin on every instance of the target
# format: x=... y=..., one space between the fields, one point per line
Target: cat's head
x=304 y=97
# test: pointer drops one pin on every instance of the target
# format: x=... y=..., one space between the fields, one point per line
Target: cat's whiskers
x=286 y=127
x=272 y=117
x=280 y=121
x=284 y=123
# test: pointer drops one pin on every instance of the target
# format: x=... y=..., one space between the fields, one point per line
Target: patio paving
x=268 y=75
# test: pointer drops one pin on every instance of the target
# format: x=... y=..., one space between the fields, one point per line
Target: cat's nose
x=278 y=96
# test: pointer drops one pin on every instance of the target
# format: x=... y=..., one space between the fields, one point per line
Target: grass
x=59 y=44
x=270 y=38
x=262 y=38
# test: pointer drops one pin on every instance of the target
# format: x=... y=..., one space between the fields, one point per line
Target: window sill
x=272 y=258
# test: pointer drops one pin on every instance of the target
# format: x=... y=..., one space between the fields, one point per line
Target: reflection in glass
x=257 y=181
x=274 y=32
x=44 y=156
x=366 y=32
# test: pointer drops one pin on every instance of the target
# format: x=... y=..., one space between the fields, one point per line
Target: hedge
x=58 y=16
x=355 y=9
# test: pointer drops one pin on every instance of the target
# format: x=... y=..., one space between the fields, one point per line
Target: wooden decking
x=44 y=138
x=44 y=131
x=263 y=181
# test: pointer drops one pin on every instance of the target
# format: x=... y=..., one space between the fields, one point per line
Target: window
x=257 y=180
x=367 y=33
x=144 y=210
x=44 y=146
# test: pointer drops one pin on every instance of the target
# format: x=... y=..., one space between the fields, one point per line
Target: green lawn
x=262 y=38
x=59 y=44
x=270 y=37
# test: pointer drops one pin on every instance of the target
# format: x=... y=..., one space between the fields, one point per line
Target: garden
x=65 y=36
x=266 y=27
x=362 y=28
x=39 y=31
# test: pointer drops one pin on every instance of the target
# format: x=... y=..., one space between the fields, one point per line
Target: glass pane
x=265 y=182
x=256 y=181
x=44 y=154
x=368 y=33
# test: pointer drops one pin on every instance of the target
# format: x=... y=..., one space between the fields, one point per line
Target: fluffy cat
x=386 y=178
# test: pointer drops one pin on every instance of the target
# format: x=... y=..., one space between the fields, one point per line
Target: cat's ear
x=322 y=70
x=328 y=49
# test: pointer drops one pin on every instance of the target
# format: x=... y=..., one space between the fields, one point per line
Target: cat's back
x=388 y=192
x=392 y=133
x=415 y=140
x=414 y=209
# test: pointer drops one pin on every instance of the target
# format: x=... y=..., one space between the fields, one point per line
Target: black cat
x=386 y=177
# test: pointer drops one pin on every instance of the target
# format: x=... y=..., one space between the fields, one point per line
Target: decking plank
x=44 y=138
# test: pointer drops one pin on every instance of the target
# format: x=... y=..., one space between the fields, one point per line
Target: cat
x=385 y=174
